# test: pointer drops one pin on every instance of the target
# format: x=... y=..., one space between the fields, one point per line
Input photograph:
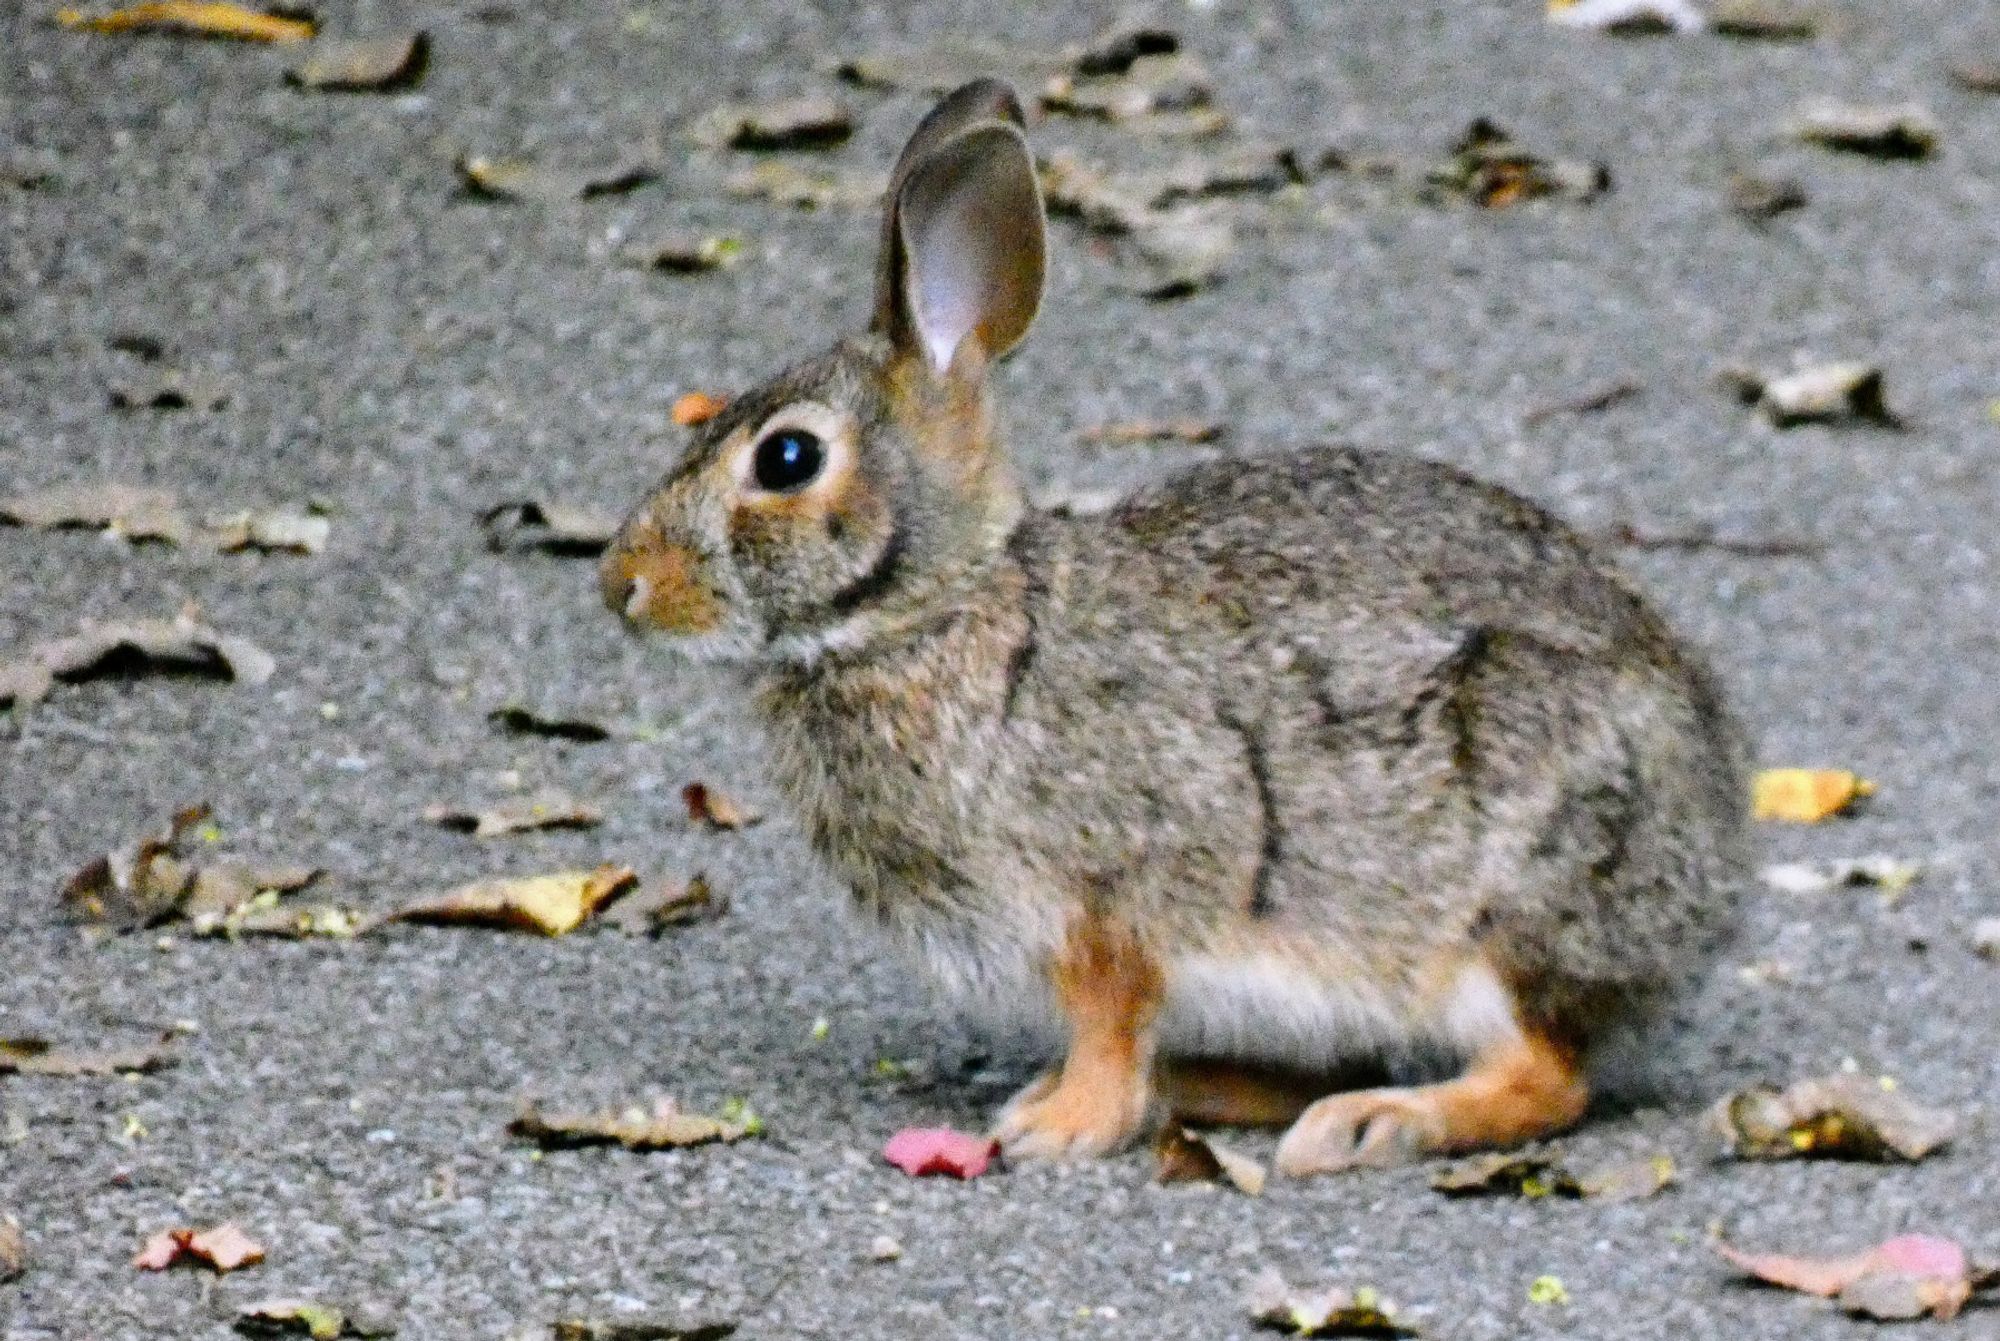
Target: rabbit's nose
x=624 y=590
x=659 y=583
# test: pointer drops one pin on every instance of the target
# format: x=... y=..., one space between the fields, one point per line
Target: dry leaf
x=662 y=1127
x=523 y=721
x=1128 y=432
x=1837 y=1117
x=364 y=65
x=1504 y=1173
x=225 y=1248
x=181 y=645
x=270 y=531
x=1181 y=252
x=653 y=909
x=1888 y=874
x=1185 y=1157
x=1705 y=537
x=1904 y=130
x=1986 y=938
x=302 y=1317
x=546 y=809
x=1909 y=1276
x=168 y=389
x=519 y=179
x=1765 y=197
x=1631 y=1179
x=1977 y=76
x=1169 y=93
x=1276 y=1306
x=549 y=904
x=195 y=18
x=553 y=528
x=1490 y=169
x=138 y=885
x=1117 y=48
x=684 y=255
x=697 y=407
x=1761 y=21
x=640 y=1329
x=13 y=1249
x=942 y=68
x=813 y=121
x=706 y=805
x=784 y=183
x=1628 y=18
x=131 y=511
x=925 y=1151
x=1805 y=795
x=39 y=1057
x=1828 y=393
x=221 y=889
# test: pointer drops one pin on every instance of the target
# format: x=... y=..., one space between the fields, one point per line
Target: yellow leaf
x=551 y=904
x=196 y=18
x=1806 y=795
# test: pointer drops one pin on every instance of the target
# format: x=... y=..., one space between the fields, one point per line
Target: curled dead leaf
x=1805 y=795
x=520 y=720
x=1828 y=393
x=641 y=1329
x=225 y=1248
x=1505 y=1173
x=716 y=809
x=133 y=512
x=182 y=645
x=1834 y=1117
x=13 y=1249
x=1169 y=93
x=195 y=18
x=1184 y=1156
x=1909 y=1276
x=1902 y=130
x=662 y=1126
x=1492 y=170
x=486 y=178
x=137 y=885
x=1756 y=197
x=664 y=904
x=564 y=529
x=811 y=121
x=1334 y=1311
x=552 y=905
x=157 y=388
x=364 y=65
x=1762 y=21
x=39 y=1057
x=784 y=183
x=270 y=531
x=545 y=809
x=1628 y=18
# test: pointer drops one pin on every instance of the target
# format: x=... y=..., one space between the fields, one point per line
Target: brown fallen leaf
x=1805 y=795
x=641 y=1329
x=1835 y=1117
x=1631 y=1179
x=1170 y=93
x=195 y=18
x=716 y=809
x=552 y=905
x=663 y=1126
x=182 y=645
x=1756 y=197
x=1489 y=168
x=1184 y=1156
x=221 y=889
x=1628 y=536
x=270 y=531
x=39 y=1057
x=681 y=254
x=565 y=529
x=486 y=178
x=784 y=183
x=1903 y=130
x=519 y=720
x=13 y=1249
x=225 y=1248
x=545 y=809
x=1909 y=1276
x=697 y=407
x=1628 y=18
x=1334 y=1311
x=304 y=1317
x=1762 y=21
x=132 y=512
x=652 y=909
x=1507 y=1173
x=156 y=388
x=364 y=65
x=1129 y=432
x=811 y=121
x=137 y=885
x=1977 y=76
x=1826 y=393
x=1115 y=50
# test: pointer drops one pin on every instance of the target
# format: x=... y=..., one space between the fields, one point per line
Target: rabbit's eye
x=788 y=459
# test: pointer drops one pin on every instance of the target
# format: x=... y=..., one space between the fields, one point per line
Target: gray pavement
x=408 y=359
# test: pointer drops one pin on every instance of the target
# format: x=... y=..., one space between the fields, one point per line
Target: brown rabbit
x=1288 y=761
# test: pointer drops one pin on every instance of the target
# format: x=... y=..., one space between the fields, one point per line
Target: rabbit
x=1287 y=761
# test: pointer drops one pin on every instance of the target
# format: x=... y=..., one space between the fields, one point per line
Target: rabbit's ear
x=978 y=103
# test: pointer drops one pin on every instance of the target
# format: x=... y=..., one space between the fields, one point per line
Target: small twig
x=1596 y=402
x=1627 y=536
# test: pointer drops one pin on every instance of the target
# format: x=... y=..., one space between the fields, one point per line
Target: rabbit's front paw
x=1366 y=1129
x=1072 y=1114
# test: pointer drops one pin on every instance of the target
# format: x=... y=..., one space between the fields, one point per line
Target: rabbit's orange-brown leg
x=1109 y=989
x=1528 y=1086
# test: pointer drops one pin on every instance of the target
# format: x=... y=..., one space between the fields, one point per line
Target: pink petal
x=1926 y=1255
x=924 y=1150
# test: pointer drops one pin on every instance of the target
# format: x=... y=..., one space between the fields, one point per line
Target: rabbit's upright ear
x=964 y=246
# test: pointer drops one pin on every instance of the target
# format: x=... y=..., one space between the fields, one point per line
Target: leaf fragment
x=1986 y=938
x=133 y=512
x=1492 y=170
x=552 y=905
x=1762 y=21
x=1825 y=393
x=181 y=645
x=942 y=67
x=1505 y=1173
x=1909 y=1276
x=1130 y=432
x=1756 y=197
x=521 y=720
x=661 y=905
x=545 y=809
x=810 y=121
x=564 y=529
x=1877 y=130
x=927 y=1151
x=1891 y=875
x=39 y=1057
x=279 y=530
x=1977 y=76
x=662 y=1126
x=1332 y=1311
x=697 y=407
x=224 y=1248
x=195 y=18
x=139 y=884
x=641 y=1329
x=716 y=809
x=364 y=65
x=785 y=183
x=1841 y=1116
x=521 y=179
x=1171 y=93
x=1548 y=1291
x=303 y=1317
x=156 y=388
x=13 y=1249
x=1628 y=18
x=683 y=254
x=1806 y=795
x=1184 y=1156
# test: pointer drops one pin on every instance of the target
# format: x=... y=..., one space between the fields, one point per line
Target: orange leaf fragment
x=194 y=18
x=697 y=407
x=1806 y=795
x=224 y=1247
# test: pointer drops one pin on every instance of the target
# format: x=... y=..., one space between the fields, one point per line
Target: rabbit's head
x=854 y=495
